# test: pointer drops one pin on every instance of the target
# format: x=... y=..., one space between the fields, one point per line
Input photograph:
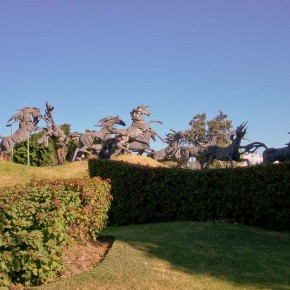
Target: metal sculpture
x=170 y=153
x=141 y=144
x=94 y=142
x=28 y=119
x=199 y=151
x=136 y=138
x=54 y=132
x=271 y=155
x=233 y=151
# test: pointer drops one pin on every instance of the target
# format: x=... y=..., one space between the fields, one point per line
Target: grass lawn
x=189 y=255
x=13 y=173
x=176 y=255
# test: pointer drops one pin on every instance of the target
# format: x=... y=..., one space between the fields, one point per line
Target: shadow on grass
x=243 y=255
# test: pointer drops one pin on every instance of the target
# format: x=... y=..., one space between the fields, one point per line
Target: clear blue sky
x=95 y=58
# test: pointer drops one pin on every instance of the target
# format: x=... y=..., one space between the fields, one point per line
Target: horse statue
x=137 y=137
x=56 y=133
x=233 y=151
x=96 y=141
x=270 y=155
x=125 y=143
x=198 y=151
x=170 y=153
x=28 y=119
x=138 y=126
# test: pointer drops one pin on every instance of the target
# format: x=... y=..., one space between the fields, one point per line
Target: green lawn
x=177 y=255
x=189 y=255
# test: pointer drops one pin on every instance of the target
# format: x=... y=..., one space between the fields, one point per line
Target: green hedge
x=258 y=195
x=38 y=220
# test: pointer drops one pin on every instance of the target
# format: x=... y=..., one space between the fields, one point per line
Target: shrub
x=258 y=195
x=39 y=154
x=39 y=219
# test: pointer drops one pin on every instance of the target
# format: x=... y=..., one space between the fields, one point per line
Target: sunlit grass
x=189 y=255
x=12 y=173
x=177 y=255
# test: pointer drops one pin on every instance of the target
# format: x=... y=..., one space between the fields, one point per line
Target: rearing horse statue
x=28 y=119
x=232 y=152
x=137 y=137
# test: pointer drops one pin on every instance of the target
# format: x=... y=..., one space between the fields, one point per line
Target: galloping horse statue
x=137 y=137
x=233 y=151
x=271 y=155
x=171 y=152
x=28 y=119
x=95 y=141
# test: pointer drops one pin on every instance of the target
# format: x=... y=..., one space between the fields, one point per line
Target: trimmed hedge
x=258 y=195
x=38 y=220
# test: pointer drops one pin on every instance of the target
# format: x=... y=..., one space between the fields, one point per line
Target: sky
x=94 y=58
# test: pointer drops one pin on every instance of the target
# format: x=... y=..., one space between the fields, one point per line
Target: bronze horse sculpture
x=95 y=141
x=136 y=138
x=271 y=155
x=28 y=119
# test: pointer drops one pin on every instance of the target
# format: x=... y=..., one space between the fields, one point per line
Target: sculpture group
x=110 y=141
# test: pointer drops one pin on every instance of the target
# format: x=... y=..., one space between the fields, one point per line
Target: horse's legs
x=83 y=149
x=8 y=144
x=75 y=154
x=231 y=161
x=209 y=162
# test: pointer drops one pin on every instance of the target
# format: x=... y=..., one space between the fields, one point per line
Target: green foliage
x=39 y=219
x=39 y=154
x=201 y=128
x=66 y=128
x=220 y=122
x=256 y=195
x=197 y=133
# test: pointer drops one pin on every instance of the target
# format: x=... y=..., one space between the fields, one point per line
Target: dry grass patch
x=137 y=159
x=12 y=173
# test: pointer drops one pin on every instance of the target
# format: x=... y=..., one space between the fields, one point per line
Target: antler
x=251 y=148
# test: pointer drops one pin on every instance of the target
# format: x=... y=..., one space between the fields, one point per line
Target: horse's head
x=110 y=121
x=176 y=136
x=137 y=113
x=143 y=110
x=118 y=121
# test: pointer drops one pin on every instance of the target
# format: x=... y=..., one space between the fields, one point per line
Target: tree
x=197 y=133
x=220 y=124
x=209 y=132
x=39 y=155
x=66 y=128
x=202 y=130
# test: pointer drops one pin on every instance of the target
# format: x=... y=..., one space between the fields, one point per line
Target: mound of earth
x=85 y=256
x=137 y=159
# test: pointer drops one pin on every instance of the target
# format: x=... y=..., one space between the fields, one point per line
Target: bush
x=39 y=154
x=39 y=219
x=258 y=195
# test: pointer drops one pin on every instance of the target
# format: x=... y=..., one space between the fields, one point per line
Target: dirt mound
x=86 y=256
x=137 y=159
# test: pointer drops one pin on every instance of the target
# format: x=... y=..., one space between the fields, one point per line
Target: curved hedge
x=258 y=195
x=39 y=219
